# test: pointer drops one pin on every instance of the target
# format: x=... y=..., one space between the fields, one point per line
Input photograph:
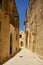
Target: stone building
x=27 y=31
x=22 y=39
x=9 y=29
x=34 y=28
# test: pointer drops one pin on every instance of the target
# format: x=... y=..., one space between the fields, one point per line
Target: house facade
x=22 y=39
x=9 y=29
x=34 y=20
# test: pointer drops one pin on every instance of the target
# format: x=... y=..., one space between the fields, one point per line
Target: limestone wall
x=15 y=39
x=9 y=44
x=35 y=21
x=4 y=45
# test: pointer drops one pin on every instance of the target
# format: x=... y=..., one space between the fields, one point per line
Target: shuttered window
x=0 y=26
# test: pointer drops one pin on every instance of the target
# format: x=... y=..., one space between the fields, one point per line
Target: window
x=16 y=37
x=0 y=3
x=20 y=36
x=0 y=25
x=21 y=43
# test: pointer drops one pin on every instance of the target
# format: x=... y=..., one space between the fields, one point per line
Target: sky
x=21 y=7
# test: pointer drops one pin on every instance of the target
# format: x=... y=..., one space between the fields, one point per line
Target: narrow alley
x=24 y=57
x=21 y=32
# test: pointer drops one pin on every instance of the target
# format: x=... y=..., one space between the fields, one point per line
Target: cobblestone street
x=24 y=57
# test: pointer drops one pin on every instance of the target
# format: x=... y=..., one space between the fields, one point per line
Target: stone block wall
x=35 y=21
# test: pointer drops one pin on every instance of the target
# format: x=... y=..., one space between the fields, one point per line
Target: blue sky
x=21 y=6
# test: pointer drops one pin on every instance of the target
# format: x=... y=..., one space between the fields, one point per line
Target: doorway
x=11 y=43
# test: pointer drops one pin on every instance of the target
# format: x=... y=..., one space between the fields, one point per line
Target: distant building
x=9 y=29
x=22 y=39
x=34 y=26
